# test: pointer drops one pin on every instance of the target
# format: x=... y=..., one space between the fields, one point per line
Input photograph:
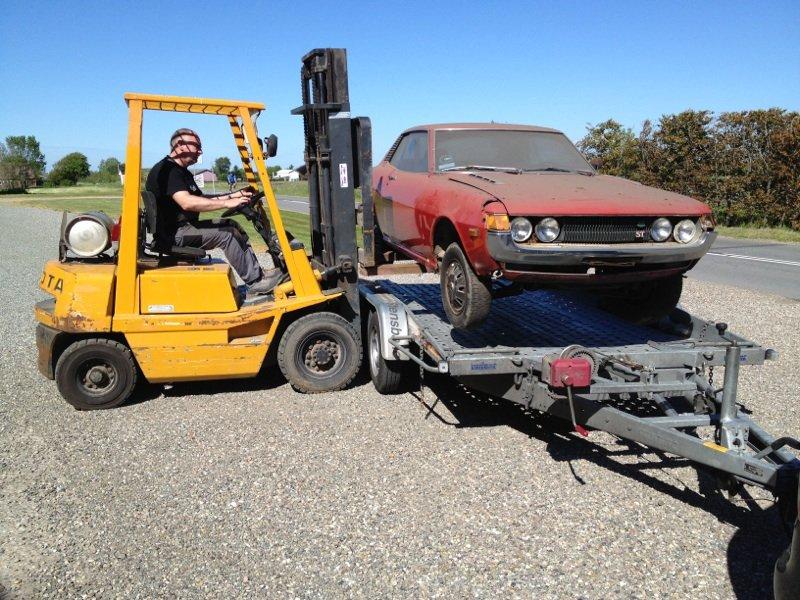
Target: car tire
x=466 y=297
x=320 y=352
x=95 y=374
x=645 y=303
x=387 y=375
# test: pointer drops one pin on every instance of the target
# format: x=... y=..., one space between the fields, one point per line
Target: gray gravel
x=248 y=489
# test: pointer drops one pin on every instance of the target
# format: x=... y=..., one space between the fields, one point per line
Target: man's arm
x=188 y=201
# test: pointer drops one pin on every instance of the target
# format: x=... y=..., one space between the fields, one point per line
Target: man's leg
x=207 y=235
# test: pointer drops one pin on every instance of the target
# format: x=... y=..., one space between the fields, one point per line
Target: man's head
x=185 y=147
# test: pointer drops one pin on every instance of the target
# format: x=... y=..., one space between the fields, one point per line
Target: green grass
x=777 y=234
x=296 y=223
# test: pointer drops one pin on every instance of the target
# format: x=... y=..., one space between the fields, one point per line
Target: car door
x=401 y=181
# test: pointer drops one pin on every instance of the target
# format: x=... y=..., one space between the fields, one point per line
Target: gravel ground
x=248 y=489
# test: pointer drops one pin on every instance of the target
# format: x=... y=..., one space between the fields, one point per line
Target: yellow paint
x=714 y=446
x=187 y=289
x=182 y=322
x=83 y=296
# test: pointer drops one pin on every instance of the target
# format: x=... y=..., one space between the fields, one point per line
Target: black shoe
x=267 y=282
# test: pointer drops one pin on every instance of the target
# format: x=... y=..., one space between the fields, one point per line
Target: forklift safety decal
x=343 y=175
x=54 y=284
x=160 y=308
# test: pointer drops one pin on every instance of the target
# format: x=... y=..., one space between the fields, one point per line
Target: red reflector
x=115 y=229
x=576 y=372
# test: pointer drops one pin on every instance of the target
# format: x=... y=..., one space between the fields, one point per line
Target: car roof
x=491 y=126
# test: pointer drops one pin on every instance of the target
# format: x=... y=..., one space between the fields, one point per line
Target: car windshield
x=507 y=150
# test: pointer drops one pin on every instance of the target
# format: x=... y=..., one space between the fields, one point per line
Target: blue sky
x=65 y=65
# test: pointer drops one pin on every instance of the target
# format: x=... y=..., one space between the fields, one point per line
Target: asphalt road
x=752 y=264
x=243 y=489
x=763 y=266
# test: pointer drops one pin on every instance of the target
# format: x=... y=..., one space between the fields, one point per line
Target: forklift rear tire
x=387 y=375
x=320 y=352
x=96 y=373
x=466 y=297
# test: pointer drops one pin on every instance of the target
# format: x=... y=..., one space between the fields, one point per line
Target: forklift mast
x=338 y=157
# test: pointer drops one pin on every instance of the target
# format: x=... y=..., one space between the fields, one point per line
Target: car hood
x=550 y=193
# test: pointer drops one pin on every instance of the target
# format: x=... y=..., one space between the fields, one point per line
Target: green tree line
x=745 y=165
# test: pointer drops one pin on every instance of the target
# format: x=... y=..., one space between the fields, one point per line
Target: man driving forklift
x=179 y=203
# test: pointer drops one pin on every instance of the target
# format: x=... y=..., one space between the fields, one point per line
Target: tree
x=109 y=165
x=238 y=173
x=612 y=148
x=272 y=170
x=69 y=169
x=222 y=166
x=21 y=160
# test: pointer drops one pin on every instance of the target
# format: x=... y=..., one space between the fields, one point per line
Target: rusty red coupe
x=500 y=208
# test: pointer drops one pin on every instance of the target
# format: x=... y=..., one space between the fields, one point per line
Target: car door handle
x=392 y=177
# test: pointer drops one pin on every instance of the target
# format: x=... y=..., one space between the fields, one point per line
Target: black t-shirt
x=166 y=178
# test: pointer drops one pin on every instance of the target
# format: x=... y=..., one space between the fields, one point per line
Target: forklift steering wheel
x=251 y=204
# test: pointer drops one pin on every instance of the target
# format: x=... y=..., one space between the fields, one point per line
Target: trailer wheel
x=96 y=373
x=320 y=352
x=387 y=375
x=466 y=297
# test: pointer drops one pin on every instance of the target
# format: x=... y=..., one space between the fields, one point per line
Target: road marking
x=791 y=263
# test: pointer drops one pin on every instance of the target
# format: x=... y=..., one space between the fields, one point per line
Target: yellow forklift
x=128 y=309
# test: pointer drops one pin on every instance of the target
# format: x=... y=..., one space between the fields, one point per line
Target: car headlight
x=660 y=230
x=521 y=229
x=685 y=231
x=547 y=229
x=88 y=234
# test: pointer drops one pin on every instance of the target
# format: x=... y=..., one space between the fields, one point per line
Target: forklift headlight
x=88 y=234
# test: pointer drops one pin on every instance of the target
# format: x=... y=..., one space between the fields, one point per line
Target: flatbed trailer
x=651 y=386
x=547 y=351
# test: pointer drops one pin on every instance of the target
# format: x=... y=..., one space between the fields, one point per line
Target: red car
x=509 y=207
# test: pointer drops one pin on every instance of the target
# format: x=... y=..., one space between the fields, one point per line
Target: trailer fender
x=393 y=323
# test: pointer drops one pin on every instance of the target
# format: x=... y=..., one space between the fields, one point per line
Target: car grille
x=598 y=230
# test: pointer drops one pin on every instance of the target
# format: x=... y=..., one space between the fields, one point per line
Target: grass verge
x=776 y=234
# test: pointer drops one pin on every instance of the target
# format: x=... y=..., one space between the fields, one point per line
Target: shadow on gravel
x=268 y=378
x=759 y=538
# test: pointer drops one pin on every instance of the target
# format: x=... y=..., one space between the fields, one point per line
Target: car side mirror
x=271 y=143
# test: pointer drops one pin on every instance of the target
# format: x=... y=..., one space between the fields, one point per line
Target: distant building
x=208 y=175
x=287 y=175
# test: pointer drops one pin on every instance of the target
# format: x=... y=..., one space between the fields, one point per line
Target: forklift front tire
x=320 y=352
x=96 y=373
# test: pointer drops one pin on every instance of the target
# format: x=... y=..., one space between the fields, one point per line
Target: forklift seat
x=151 y=222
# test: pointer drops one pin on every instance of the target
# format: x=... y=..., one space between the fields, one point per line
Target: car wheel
x=387 y=375
x=646 y=302
x=96 y=373
x=466 y=297
x=320 y=352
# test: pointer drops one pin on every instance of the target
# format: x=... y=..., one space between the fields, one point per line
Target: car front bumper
x=593 y=264
x=504 y=250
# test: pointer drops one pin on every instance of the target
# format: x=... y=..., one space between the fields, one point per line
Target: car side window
x=412 y=153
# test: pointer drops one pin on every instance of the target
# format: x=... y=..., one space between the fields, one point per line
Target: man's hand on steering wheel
x=240 y=200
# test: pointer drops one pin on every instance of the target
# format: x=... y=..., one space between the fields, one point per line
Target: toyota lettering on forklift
x=179 y=318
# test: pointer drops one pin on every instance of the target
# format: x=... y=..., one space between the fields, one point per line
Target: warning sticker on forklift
x=714 y=446
x=343 y=175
